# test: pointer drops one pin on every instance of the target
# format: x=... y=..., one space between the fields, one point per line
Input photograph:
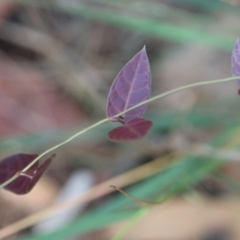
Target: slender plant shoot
x=127 y=101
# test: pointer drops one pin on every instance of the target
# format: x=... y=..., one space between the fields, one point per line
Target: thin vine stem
x=108 y=119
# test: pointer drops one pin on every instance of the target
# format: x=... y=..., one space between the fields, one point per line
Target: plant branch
x=117 y=115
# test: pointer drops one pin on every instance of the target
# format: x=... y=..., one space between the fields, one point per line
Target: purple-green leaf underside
x=27 y=180
x=236 y=59
x=135 y=129
x=131 y=86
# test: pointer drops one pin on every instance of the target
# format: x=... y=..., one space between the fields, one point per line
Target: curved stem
x=117 y=115
x=51 y=149
x=177 y=90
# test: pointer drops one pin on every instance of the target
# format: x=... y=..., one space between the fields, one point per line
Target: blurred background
x=58 y=59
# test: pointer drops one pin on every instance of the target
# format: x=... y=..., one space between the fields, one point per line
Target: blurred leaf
x=236 y=59
x=27 y=180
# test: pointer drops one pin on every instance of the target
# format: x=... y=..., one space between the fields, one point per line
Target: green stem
x=51 y=149
x=177 y=90
x=117 y=115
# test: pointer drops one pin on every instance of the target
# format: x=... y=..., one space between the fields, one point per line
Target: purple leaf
x=131 y=86
x=236 y=59
x=135 y=129
x=26 y=181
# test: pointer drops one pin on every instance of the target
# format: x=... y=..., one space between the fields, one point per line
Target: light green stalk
x=108 y=119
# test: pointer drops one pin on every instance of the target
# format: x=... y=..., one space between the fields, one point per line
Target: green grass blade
x=146 y=26
x=176 y=179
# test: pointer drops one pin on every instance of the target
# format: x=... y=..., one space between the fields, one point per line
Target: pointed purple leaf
x=236 y=59
x=131 y=86
x=135 y=129
x=27 y=180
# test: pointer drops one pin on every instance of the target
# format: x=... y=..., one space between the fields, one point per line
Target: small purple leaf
x=135 y=129
x=27 y=180
x=131 y=86
x=236 y=59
